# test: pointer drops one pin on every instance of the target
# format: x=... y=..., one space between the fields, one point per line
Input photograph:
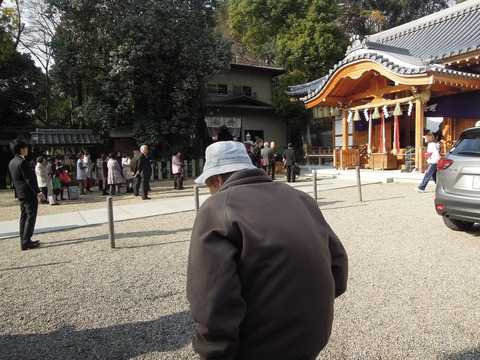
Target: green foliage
x=7 y=47
x=146 y=63
x=294 y=112
x=364 y=17
x=300 y=35
x=314 y=43
x=295 y=34
x=21 y=87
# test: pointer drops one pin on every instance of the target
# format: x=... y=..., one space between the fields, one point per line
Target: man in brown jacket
x=256 y=291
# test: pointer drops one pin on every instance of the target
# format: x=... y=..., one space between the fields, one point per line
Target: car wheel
x=457 y=225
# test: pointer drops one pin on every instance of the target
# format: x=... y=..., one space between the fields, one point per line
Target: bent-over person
x=257 y=293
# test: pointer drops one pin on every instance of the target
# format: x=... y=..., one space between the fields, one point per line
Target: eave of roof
x=439 y=36
x=64 y=137
x=399 y=66
x=272 y=70
x=241 y=101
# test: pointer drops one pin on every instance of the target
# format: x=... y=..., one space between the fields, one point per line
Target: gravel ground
x=160 y=189
x=413 y=289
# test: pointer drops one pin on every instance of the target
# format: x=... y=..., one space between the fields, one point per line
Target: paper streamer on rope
x=350 y=116
x=367 y=115
x=410 y=107
x=369 y=146
x=385 y=111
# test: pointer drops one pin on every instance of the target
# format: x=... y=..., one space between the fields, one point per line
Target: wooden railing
x=319 y=153
x=346 y=159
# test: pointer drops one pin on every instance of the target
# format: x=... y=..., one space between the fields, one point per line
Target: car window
x=467 y=144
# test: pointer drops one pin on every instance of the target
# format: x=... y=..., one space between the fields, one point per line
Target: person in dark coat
x=145 y=171
x=257 y=294
x=249 y=146
x=289 y=162
x=28 y=192
x=52 y=173
x=257 y=153
x=136 y=174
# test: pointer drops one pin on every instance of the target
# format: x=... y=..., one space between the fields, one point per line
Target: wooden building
x=240 y=105
x=379 y=95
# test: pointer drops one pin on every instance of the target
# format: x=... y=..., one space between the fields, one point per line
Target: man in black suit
x=136 y=174
x=26 y=186
x=145 y=171
x=290 y=161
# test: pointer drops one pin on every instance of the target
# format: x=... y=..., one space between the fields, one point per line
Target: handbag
x=64 y=177
x=296 y=169
x=55 y=183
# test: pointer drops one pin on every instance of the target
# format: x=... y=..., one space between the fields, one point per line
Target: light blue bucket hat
x=224 y=157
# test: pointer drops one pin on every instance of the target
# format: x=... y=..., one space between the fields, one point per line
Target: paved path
x=328 y=179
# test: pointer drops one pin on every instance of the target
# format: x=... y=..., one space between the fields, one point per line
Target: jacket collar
x=246 y=177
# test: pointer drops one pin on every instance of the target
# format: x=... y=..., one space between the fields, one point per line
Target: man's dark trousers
x=145 y=186
x=28 y=217
x=136 y=185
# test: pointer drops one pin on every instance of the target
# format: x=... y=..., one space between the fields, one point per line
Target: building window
x=217 y=89
x=242 y=90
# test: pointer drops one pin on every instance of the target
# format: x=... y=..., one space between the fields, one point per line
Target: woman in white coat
x=127 y=173
x=433 y=155
x=114 y=178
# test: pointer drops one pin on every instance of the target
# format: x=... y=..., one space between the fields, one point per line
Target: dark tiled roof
x=242 y=101
x=413 y=48
x=397 y=63
x=441 y=35
x=266 y=69
x=64 y=137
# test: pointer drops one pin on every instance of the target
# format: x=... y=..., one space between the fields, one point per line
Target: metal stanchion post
x=111 y=231
x=196 y=197
x=314 y=177
x=359 y=184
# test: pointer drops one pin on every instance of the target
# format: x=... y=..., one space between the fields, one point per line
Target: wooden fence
x=163 y=169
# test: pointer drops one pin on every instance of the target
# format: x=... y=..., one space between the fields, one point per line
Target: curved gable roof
x=409 y=51
x=444 y=34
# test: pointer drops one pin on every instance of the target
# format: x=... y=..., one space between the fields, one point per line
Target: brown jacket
x=261 y=284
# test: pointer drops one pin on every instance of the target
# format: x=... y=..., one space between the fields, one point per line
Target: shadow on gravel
x=168 y=333
x=475 y=231
x=150 y=245
x=358 y=203
x=118 y=236
x=36 y=266
x=470 y=354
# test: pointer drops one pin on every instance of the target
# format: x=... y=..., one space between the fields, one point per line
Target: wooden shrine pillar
x=419 y=127
x=344 y=130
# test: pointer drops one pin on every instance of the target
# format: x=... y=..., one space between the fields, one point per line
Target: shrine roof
x=64 y=137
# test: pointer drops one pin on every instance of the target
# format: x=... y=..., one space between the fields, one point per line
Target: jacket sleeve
x=30 y=177
x=339 y=262
x=213 y=287
x=141 y=163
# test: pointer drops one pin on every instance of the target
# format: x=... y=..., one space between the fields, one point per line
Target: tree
x=21 y=90
x=141 y=63
x=299 y=35
x=294 y=112
x=32 y=29
x=313 y=43
x=365 y=17
x=21 y=82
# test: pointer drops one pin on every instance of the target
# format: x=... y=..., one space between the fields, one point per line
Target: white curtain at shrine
x=231 y=123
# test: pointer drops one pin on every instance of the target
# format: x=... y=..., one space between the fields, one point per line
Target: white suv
x=457 y=195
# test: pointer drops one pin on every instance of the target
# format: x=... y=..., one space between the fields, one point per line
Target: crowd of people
x=264 y=155
x=111 y=173
x=115 y=173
